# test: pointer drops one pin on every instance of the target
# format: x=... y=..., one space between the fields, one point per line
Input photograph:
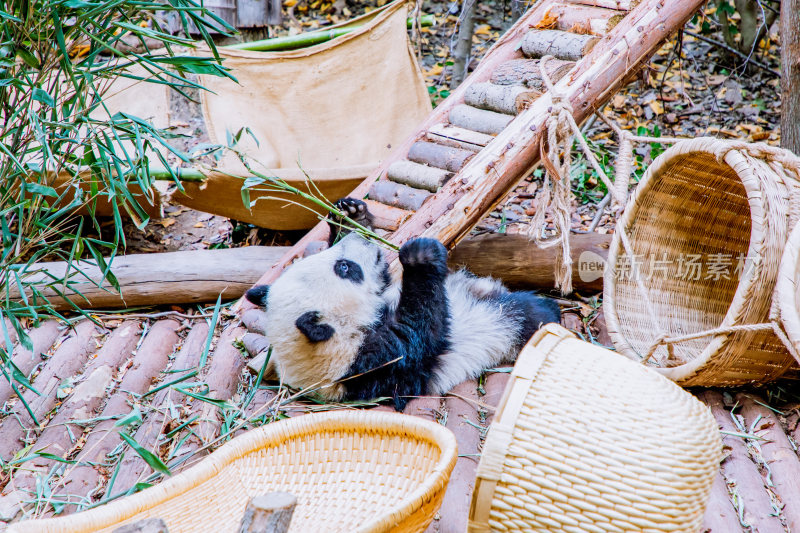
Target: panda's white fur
x=485 y=324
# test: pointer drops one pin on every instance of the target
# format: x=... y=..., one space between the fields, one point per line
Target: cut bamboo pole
x=527 y=71
x=508 y=99
x=479 y=120
x=450 y=135
x=585 y=19
x=397 y=195
x=436 y=155
x=311 y=38
x=560 y=44
x=418 y=176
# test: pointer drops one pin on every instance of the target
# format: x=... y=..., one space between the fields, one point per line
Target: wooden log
x=622 y=5
x=578 y=18
x=418 y=176
x=84 y=403
x=479 y=120
x=779 y=455
x=521 y=264
x=462 y=419
x=151 y=358
x=398 y=195
x=720 y=515
x=385 y=216
x=527 y=71
x=133 y=467
x=508 y=99
x=222 y=377
x=148 y=525
x=557 y=43
x=67 y=361
x=270 y=513
x=439 y=156
x=148 y=279
x=42 y=339
x=450 y=135
x=493 y=172
x=739 y=470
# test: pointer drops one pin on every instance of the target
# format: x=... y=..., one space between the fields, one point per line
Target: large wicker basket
x=586 y=440
x=787 y=290
x=706 y=229
x=350 y=471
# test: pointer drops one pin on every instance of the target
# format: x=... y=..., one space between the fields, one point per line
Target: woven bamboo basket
x=584 y=440
x=787 y=290
x=350 y=471
x=691 y=289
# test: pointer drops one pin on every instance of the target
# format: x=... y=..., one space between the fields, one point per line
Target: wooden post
x=517 y=71
x=270 y=513
x=508 y=99
x=559 y=44
x=790 y=75
x=148 y=525
x=480 y=120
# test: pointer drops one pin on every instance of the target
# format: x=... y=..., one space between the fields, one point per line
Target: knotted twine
x=556 y=192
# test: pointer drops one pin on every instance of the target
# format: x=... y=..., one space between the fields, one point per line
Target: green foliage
x=60 y=148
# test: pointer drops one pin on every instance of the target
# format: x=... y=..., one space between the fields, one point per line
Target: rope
x=556 y=193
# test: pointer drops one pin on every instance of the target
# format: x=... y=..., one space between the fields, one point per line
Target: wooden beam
x=176 y=277
x=520 y=264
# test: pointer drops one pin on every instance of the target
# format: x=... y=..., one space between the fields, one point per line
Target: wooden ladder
x=484 y=138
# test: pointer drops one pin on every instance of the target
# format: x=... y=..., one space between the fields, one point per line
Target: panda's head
x=334 y=279
x=318 y=310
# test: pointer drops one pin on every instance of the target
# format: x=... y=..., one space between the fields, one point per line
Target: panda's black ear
x=258 y=295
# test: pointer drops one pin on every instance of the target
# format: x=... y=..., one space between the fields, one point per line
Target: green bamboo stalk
x=183 y=174
x=310 y=38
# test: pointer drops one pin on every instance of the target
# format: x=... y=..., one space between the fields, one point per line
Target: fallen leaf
x=166 y=222
x=548 y=22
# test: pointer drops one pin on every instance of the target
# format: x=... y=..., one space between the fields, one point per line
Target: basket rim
x=786 y=289
x=382 y=422
x=730 y=157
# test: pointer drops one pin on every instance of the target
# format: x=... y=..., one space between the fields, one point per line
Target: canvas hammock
x=331 y=111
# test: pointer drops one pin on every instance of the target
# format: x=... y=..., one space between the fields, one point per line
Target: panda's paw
x=424 y=253
x=353 y=208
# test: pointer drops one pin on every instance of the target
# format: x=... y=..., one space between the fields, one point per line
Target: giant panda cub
x=338 y=323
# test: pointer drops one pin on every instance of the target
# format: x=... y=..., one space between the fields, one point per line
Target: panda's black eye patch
x=348 y=270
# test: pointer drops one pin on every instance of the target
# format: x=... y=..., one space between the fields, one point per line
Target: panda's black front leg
x=355 y=210
x=398 y=356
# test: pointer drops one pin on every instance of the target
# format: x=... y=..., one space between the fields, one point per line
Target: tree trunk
x=462 y=51
x=790 y=75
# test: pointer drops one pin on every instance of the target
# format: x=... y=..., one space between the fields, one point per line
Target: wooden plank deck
x=90 y=377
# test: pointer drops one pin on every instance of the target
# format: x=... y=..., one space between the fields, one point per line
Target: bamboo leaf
x=149 y=457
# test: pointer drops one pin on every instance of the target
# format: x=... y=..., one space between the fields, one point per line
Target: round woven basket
x=350 y=471
x=585 y=440
x=787 y=290
x=706 y=229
